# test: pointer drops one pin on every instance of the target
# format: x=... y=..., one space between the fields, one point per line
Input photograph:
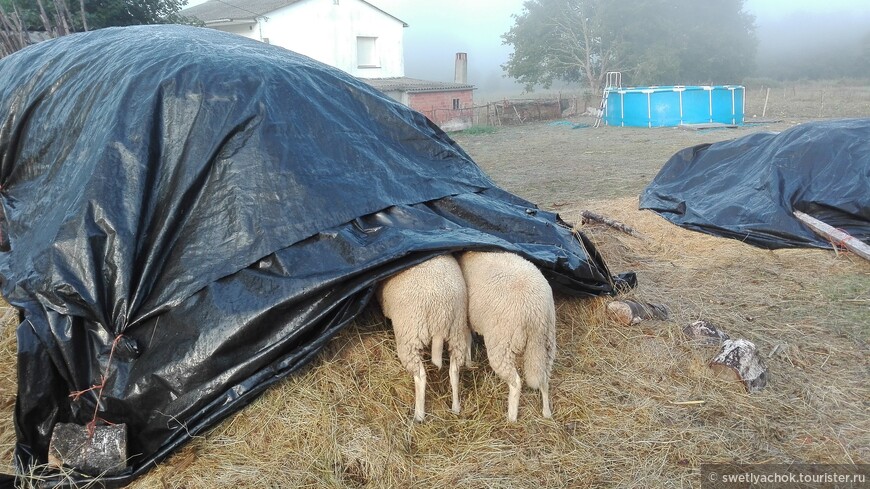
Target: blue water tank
x=664 y=106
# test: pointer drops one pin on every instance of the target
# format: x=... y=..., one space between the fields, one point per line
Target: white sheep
x=511 y=305
x=428 y=304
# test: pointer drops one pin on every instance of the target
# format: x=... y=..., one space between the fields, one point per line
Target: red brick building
x=450 y=105
x=447 y=104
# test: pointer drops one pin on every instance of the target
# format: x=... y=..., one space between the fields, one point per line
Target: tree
x=15 y=26
x=719 y=44
x=650 y=41
x=94 y=14
x=54 y=18
x=106 y=13
x=559 y=39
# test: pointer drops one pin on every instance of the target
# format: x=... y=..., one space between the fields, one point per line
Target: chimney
x=461 y=75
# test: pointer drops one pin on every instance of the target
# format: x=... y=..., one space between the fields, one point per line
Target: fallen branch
x=835 y=236
x=587 y=217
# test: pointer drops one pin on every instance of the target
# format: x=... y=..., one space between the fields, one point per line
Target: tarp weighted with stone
x=747 y=188
x=195 y=214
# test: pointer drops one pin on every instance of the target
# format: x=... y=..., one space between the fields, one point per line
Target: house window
x=367 y=52
x=456 y=104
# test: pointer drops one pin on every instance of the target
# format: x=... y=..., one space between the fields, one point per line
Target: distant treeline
x=664 y=42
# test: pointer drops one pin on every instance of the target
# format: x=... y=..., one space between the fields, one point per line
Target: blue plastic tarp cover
x=194 y=214
x=748 y=188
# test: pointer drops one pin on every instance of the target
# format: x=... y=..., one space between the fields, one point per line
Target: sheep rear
x=511 y=305
x=427 y=304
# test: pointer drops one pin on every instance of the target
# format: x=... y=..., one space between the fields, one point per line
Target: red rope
x=75 y=395
x=842 y=243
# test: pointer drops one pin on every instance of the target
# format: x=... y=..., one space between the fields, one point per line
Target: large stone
x=101 y=453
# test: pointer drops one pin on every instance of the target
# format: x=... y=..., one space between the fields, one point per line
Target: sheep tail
x=538 y=358
x=437 y=351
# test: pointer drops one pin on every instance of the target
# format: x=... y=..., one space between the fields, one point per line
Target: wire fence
x=508 y=112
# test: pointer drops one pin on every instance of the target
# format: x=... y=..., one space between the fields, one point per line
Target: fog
x=806 y=44
x=787 y=30
x=438 y=29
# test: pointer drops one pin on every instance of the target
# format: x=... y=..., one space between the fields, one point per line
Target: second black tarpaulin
x=747 y=188
x=196 y=214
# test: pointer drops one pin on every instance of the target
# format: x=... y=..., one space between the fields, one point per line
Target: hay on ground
x=633 y=405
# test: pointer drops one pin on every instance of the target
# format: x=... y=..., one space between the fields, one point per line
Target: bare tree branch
x=84 y=17
x=50 y=29
x=15 y=36
x=12 y=35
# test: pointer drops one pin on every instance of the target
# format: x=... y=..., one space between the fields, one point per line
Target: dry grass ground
x=619 y=392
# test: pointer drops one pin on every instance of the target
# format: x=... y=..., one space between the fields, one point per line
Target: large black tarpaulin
x=747 y=188
x=195 y=214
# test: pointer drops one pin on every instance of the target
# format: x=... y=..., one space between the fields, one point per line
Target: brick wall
x=438 y=106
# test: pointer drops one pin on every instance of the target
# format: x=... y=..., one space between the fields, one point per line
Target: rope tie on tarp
x=75 y=395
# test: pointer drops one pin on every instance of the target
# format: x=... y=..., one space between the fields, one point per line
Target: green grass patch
x=478 y=130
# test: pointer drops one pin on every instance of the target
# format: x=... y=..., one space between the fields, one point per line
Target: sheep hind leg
x=420 y=393
x=454 y=384
x=515 y=385
x=545 y=399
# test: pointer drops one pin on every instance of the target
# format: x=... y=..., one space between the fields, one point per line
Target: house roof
x=405 y=84
x=232 y=11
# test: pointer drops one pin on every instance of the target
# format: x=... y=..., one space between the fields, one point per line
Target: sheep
x=511 y=305
x=428 y=304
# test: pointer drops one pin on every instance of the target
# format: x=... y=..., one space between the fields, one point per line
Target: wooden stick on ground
x=834 y=235
x=588 y=216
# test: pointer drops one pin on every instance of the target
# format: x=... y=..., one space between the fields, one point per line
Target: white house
x=352 y=35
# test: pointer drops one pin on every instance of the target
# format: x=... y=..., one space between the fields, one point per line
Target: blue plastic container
x=674 y=105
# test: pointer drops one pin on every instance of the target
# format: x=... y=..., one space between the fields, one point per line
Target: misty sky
x=438 y=29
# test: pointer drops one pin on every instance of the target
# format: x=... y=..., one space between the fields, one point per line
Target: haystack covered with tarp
x=188 y=216
x=748 y=188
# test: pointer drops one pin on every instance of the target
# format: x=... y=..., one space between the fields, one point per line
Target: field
x=634 y=406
